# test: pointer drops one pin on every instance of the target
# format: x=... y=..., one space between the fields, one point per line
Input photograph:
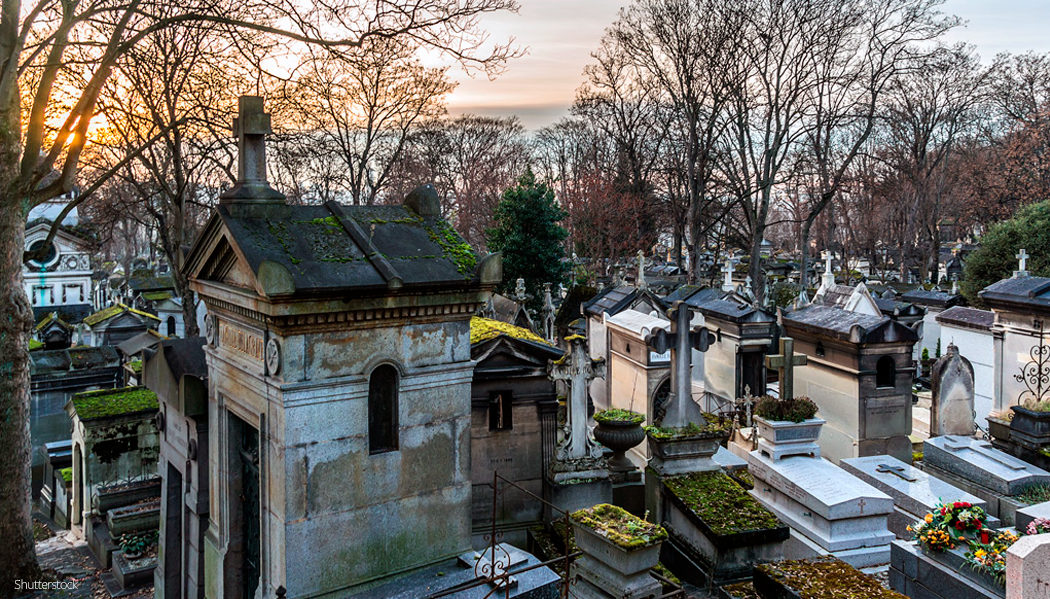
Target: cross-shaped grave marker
x=579 y=369
x=640 y=282
x=1022 y=263
x=727 y=278
x=785 y=363
x=895 y=470
x=681 y=340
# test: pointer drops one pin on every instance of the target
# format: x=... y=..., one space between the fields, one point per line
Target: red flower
x=943 y=511
x=958 y=504
x=960 y=525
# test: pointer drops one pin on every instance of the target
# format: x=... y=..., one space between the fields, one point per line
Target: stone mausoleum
x=339 y=368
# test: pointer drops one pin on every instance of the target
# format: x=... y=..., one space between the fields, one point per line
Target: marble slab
x=820 y=486
x=728 y=460
x=979 y=462
x=1032 y=512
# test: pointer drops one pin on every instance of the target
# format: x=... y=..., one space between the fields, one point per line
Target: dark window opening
x=171 y=326
x=382 y=409
x=820 y=349
x=501 y=411
x=886 y=372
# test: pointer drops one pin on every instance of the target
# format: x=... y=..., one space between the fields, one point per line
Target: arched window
x=171 y=326
x=382 y=409
x=886 y=372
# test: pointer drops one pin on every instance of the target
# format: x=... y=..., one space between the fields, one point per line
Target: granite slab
x=978 y=461
x=820 y=486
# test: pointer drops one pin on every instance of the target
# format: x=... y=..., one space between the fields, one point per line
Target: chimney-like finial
x=251 y=126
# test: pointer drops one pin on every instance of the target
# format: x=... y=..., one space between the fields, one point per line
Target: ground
x=66 y=558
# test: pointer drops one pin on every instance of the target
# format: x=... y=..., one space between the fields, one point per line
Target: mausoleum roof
x=112 y=311
x=638 y=322
x=1025 y=292
x=185 y=357
x=932 y=297
x=733 y=311
x=614 y=300
x=483 y=329
x=110 y=403
x=850 y=326
x=74 y=358
x=970 y=318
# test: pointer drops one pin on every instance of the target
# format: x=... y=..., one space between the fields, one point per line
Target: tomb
x=638 y=378
x=176 y=370
x=513 y=420
x=915 y=493
x=980 y=469
x=53 y=332
x=61 y=277
x=735 y=363
x=951 y=411
x=859 y=373
x=56 y=489
x=935 y=302
x=1028 y=568
x=971 y=330
x=339 y=374
x=117 y=323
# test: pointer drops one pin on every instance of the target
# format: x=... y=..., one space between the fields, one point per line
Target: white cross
x=1022 y=258
x=827 y=260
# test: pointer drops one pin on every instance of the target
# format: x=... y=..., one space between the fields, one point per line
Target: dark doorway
x=886 y=372
x=752 y=378
x=173 y=533
x=244 y=519
x=171 y=326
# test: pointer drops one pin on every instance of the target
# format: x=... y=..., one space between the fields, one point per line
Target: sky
x=559 y=36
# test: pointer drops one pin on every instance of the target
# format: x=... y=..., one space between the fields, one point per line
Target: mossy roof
x=107 y=403
x=52 y=317
x=156 y=296
x=34 y=344
x=483 y=329
x=112 y=311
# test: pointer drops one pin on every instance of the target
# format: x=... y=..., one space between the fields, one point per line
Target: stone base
x=575 y=495
x=799 y=546
x=603 y=583
x=915 y=574
x=784 y=449
x=584 y=589
x=999 y=505
x=722 y=563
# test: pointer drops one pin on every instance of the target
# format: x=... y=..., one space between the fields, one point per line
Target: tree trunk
x=17 y=554
x=803 y=275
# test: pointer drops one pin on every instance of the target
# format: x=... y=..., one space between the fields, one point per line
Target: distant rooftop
x=970 y=318
x=108 y=403
x=1022 y=292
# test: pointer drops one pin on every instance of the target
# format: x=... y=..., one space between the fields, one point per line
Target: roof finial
x=251 y=127
x=1022 y=264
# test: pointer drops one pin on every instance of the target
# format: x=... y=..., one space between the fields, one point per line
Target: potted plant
x=679 y=450
x=619 y=430
x=787 y=427
x=1030 y=425
x=619 y=540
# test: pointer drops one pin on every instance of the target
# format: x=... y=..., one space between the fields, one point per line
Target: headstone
x=915 y=493
x=785 y=363
x=951 y=412
x=833 y=511
x=1028 y=568
x=979 y=462
x=680 y=341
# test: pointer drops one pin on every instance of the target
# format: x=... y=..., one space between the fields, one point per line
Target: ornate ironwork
x=1035 y=374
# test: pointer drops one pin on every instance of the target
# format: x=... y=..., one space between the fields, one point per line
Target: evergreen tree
x=528 y=232
x=995 y=259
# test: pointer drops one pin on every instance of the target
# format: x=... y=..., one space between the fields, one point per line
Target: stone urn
x=783 y=438
x=618 y=550
x=681 y=451
x=1030 y=428
x=619 y=432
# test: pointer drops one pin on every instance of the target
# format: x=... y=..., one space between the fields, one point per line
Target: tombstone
x=980 y=469
x=679 y=342
x=951 y=411
x=915 y=493
x=339 y=374
x=972 y=329
x=859 y=373
x=1028 y=568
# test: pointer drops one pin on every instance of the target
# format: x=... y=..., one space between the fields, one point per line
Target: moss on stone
x=713 y=426
x=34 y=344
x=483 y=329
x=618 y=415
x=826 y=578
x=619 y=526
x=453 y=246
x=66 y=474
x=725 y=506
x=135 y=365
x=114 y=402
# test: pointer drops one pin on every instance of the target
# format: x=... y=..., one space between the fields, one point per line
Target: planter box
x=999 y=428
x=772 y=583
x=131 y=576
x=614 y=569
x=1030 y=428
x=683 y=455
x=725 y=557
x=133 y=518
x=121 y=495
x=782 y=438
x=955 y=559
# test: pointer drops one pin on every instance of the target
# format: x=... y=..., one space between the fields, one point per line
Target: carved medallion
x=210 y=329
x=273 y=356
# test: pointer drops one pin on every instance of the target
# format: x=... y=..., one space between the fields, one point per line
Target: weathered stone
x=1028 y=568
x=979 y=462
x=951 y=412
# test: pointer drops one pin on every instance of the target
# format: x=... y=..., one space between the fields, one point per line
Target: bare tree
x=57 y=57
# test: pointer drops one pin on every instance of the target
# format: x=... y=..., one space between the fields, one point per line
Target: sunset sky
x=560 y=35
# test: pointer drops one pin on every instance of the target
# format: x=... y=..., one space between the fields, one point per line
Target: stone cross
x=579 y=369
x=641 y=282
x=548 y=315
x=727 y=279
x=1022 y=263
x=829 y=272
x=681 y=340
x=251 y=126
x=785 y=363
x=895 y=470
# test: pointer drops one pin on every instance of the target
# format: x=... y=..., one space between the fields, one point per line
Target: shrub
x=795 y=409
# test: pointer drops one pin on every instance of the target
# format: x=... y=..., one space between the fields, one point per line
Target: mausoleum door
x=249 y=453
x=752 y=374
x=173 y=546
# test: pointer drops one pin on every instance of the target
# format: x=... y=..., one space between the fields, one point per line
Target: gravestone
x=980 y=469
x=1028 y=568
x=830 y=510
x=951 y=412
x=915 y=493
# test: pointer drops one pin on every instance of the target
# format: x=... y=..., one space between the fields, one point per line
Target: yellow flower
x=929 y=517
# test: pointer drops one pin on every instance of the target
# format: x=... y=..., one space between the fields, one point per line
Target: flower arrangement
x=1037 y=526
x=949 y=525
x=795 y=409
x=989 y=554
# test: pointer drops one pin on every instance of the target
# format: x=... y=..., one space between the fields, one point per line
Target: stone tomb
x=1032 y=512
x=951 y=411
x=914 y=492
x=639 y=379
x=977 y=467
x=831 y=510
x=916 y=573
x=735 y=363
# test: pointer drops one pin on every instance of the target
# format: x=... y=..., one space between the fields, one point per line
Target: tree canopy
x=996 y=258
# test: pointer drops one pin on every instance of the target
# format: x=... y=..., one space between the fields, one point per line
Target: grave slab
x=1028 y=568
x=729 y=460
x=982 y=464
x=1032 y=512
x=914 y=492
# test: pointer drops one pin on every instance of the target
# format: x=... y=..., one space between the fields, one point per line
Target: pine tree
x=528 y=233
x=995 y=259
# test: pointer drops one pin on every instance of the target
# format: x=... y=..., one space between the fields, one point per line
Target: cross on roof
x=1022 y=263
x=785 y=363
x=826 y=255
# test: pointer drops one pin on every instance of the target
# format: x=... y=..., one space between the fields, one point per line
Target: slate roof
x=52 y=317
x=969 y=318
x=150 y=283
x=334 y=247
x=137 y=343
x=932 y=298
x=734 y=311
x=76 y=358
x=889 y=307
x=70 y=313
x=1026 y=292
x=639 y=322
x=112 y=311
x=616 y=299
x=683 y=292
x=850 y=326
x=836 y=295
x=185 y=357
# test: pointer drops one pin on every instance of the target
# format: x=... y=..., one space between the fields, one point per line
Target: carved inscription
x=242 y=341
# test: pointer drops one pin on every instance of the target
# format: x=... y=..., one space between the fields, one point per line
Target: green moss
x=662 y=570
x=620 y=526
x=741 y=590
x=135 y=365
x=916 y=456
x=34 y=344
x=66 y=474
x=114 y=402
x=453 y=246
x=712 y=427
x=1037 y=493
x=795 y=409
x=618 y=415
x=721 y=503
x=826 y=578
